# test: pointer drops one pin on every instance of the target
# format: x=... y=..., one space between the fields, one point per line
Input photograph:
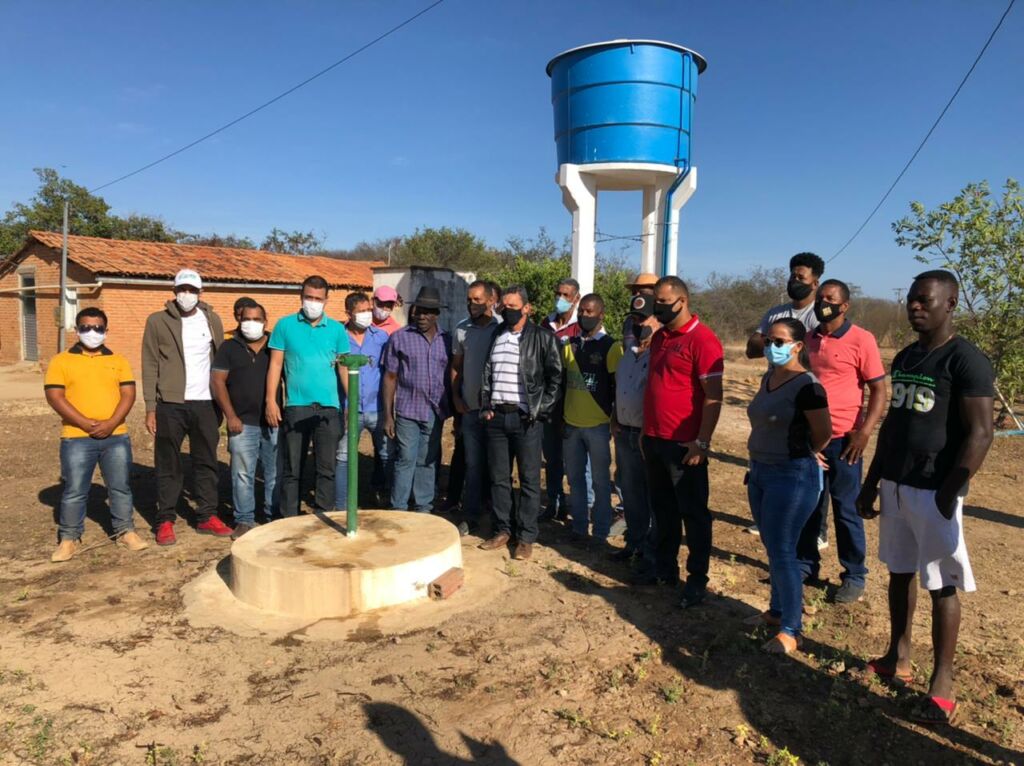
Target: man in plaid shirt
x=415 y=390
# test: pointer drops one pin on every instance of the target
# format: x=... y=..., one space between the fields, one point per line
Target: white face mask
x=92 y=339
x=186 y=300
x=381 y=314
x=251 y=329
x=312 y=309
x=363 y=319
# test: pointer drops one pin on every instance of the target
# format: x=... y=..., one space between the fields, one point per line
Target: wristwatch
x=704 y=446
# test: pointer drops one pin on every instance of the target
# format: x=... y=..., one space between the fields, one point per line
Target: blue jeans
x=842 y=485
x=632 y=474
x=78 y=459
x=255 y=444
x=419 y=451
x=373 y=425
x=579 y=445
x=782 y=497
x=554 y=466
x=474 y=446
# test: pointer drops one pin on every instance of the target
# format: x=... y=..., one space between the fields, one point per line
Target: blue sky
x=805 y=114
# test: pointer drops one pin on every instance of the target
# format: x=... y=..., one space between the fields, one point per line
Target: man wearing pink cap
x=384 y=301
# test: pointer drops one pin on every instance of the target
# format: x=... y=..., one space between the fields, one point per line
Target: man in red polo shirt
x=682 y=402
x=845 y=358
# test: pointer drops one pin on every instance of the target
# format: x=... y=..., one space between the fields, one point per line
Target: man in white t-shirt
x=177 y=348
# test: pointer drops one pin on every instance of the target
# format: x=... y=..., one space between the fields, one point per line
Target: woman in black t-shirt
x=790 y=424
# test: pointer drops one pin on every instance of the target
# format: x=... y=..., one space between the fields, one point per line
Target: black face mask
x=512 y=316
x=826 y=312
x=588 y=324
x=798 y=290
x=645 y=332
x=666 y=312
x=476 y=310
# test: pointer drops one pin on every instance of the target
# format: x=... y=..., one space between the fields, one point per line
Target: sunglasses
x=91 y=328
x=779 y=342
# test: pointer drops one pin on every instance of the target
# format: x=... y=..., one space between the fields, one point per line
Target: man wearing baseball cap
x=635 y=330
x=178 y=345
x=628 y=431
x=384 y=301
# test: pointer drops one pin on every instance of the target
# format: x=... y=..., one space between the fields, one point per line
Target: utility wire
x=927 y=136
x=275 y=99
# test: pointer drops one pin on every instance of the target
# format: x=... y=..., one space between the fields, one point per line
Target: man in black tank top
x=934 y=438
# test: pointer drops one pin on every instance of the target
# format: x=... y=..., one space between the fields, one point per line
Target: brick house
x=130 y=280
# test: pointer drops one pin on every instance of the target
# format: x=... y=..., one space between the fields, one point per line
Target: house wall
x=127 y=307
x=45 y=263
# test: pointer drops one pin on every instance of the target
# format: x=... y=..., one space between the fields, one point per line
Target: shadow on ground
x=820 y=710
x=404 y=734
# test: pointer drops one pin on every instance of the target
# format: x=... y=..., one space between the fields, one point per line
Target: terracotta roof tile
x=160 y=260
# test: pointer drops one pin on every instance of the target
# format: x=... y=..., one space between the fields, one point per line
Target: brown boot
x=66 y=550
x=500 y=540
x=523 y=551
x=132 y=541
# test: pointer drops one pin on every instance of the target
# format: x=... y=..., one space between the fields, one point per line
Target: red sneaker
x=165 y=533
x=214 y=526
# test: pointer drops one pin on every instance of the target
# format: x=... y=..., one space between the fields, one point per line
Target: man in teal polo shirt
x=305 y=345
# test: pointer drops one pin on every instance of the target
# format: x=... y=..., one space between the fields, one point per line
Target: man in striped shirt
x=520 y=390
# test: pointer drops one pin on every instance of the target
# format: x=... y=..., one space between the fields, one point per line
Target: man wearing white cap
x=177 y=349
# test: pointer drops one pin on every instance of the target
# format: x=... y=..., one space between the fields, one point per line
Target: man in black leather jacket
x=521 y=389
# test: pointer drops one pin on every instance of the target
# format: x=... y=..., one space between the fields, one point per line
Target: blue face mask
x=778 y=355
x=562 y=306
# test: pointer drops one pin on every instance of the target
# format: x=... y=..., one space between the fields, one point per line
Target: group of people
x=556 y=392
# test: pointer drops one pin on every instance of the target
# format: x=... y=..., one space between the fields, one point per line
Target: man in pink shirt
x=845 y=358
x=384 y=301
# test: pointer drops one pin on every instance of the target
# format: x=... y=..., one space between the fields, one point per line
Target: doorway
x=29 y=324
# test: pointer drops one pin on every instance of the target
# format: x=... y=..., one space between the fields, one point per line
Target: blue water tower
x=623 y=113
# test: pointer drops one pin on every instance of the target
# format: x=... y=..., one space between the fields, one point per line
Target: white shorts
x=914 y=537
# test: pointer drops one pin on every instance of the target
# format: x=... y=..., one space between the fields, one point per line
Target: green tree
x=732 y=305
x=455 y=249
x=538 y=277
x=980 y=240
x=539 y=263
x=376 y=250
x=610 y=282
x=539 y=248
x=294 y=242
x=89 y=215
x=217 y=240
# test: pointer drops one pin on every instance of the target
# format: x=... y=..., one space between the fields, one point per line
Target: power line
x=275 y=99
x=928 y=135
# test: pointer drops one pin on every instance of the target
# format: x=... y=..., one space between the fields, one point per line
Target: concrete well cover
x=307 y=567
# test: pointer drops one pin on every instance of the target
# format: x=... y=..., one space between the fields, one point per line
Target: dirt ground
x=552 y=661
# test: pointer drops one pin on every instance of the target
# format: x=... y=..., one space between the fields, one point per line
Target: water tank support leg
x=679 y=198
x=579 y=195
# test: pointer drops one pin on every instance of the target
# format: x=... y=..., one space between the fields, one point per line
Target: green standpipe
x=353 y=362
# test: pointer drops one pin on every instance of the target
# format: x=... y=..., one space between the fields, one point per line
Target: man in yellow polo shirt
x=590 y=360
x=92 y=389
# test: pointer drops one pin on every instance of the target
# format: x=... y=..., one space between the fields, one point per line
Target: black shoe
x=548 y=514
x=241 y=529
x=622 y=554
x=693 y=595
x=849 y=593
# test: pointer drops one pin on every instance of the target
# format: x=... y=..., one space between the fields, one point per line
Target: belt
x=506 y=408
